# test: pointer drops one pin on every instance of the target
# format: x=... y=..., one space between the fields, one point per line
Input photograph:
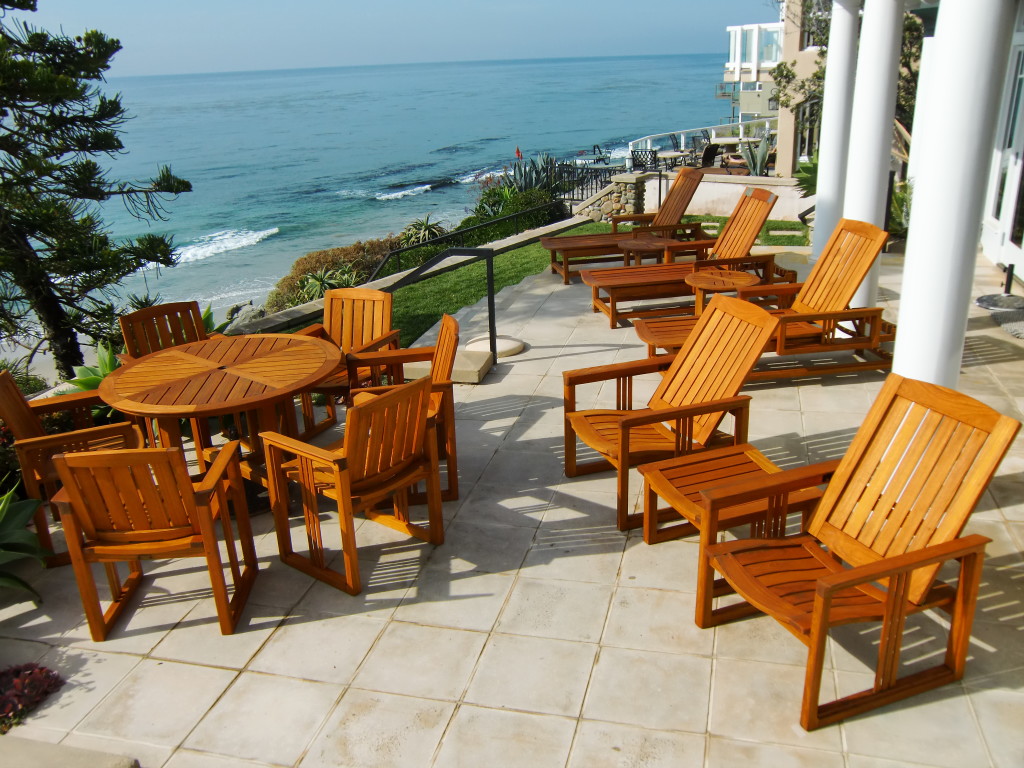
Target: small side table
x=680 y=480
x=717 y=281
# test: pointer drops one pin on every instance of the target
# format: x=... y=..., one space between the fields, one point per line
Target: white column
x=972 y=43
x=836 y=106
x=928 y=88
x=874 y=104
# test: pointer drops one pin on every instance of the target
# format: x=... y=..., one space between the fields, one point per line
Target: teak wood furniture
x=122 y=506
x=35 y=449
x=716 y=281
x=684 y=412
x=574 y=249
x=891 y=515
x=681 y=479
x=813 y=315
x=355 y=320
x=441 y=412
x=388 y=449
x=731 y=250
x=252 y=374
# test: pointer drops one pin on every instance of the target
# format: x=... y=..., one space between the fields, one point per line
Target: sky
x=195 y=36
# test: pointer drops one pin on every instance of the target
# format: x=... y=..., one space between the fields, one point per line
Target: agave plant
x=756 y=157
x=422 y=230
x=16 y=541
x=540 y=172
x=314 y=285
x=88 y=377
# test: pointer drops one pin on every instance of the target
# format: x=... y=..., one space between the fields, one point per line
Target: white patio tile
x=88 y=677
x=297 y=648
x=610 y=745
x=574 y=554
x=566 y=610
x=726 y=753
x=664 y=691
x=1000 y=713
x=550 y=676
x=378 y=730
x=265 y=717
x=484 y=737
x=148 y=755
x=186 y=758
x=198 y=639
x=159 y=703
x=429 y=662
x=668 y=565
x=655 y=620
x=463 y=601
x=492 y=504
x=484 y=548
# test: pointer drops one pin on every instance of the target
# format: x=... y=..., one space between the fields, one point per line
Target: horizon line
x=416 y=63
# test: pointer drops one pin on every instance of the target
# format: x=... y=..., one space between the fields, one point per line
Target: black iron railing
x=426 y=270
x=495 y=229
x=579 y=182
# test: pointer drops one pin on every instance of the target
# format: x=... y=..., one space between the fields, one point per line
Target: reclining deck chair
x=730 y=250
x=356 y=320
x=813 y=315
x=892 y=513
x=684 y=412
x=566 y=249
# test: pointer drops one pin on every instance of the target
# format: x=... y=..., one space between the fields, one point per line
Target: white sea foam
x=219 y=242
x=405 y=193
x=354 y=194
x=475 y=176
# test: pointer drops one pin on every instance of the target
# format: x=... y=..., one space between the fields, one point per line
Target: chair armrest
x=646 y=416
x=299 y=448
x=857 y=313
x=690 y=245
x=69 y=401
x=775 y=289
x=227 y=455
x=380 y=342
x=761 y=487
x=624 y=217
x=392 y=359
x=760 y=259
x=616 y=370
x=905 y=563
x=690 y=228
x=317 y=329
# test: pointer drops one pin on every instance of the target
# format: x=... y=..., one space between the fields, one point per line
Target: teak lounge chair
x=892 y=513
x=122 y=506
x=442 y=396
x=730 y=250
x=356 y=320
x=569 y=249
x=813 y=316
x=683 y=414
x=388 y=448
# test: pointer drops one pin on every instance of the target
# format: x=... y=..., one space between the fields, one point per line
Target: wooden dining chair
x=123 y=506
x=355 y=320
x=158 y=327
x=442 y=397
x=891 y=515
x=35 y=448
x=387 y=450
x=684 y=412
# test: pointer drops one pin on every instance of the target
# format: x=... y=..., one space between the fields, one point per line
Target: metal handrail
x=425 y=271
x=741 y=130
x=457 y=238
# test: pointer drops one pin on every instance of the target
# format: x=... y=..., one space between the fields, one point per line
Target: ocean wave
x=354 y=194
x=404 y=193
x=475 y=176
x=219 y=242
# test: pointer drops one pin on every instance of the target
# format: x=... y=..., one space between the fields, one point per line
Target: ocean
x=286 y=162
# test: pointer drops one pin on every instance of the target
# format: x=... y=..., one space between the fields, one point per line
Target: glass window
x=771 y=49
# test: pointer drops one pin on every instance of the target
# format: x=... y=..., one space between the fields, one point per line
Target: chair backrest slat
x=744 y=225
x=354 y=316
x=716 y=359
x=679 y=196
x=130 y=496
x=848 y=255
x=443 y=362
x=387 y=432
x=15 y=411
x=912 y=475
x=166 y=325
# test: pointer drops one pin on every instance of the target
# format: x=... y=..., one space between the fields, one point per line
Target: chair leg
x=311 y=427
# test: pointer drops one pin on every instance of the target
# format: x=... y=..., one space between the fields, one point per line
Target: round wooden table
x=228 y=374
x=716 y=281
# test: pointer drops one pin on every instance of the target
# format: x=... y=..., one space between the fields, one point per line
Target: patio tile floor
x=537 y=635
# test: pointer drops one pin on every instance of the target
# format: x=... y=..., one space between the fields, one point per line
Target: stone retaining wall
x=624 y=195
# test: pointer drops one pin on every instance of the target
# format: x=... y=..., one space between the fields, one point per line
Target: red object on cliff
x=519 y=155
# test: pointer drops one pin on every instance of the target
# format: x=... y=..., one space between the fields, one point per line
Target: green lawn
x=418 y=307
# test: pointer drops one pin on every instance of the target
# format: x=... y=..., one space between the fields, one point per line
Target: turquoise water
x=286 y=162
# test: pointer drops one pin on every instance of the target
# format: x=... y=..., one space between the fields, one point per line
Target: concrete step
x=22 y=753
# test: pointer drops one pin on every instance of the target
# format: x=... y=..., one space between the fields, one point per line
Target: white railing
x=725 y=134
